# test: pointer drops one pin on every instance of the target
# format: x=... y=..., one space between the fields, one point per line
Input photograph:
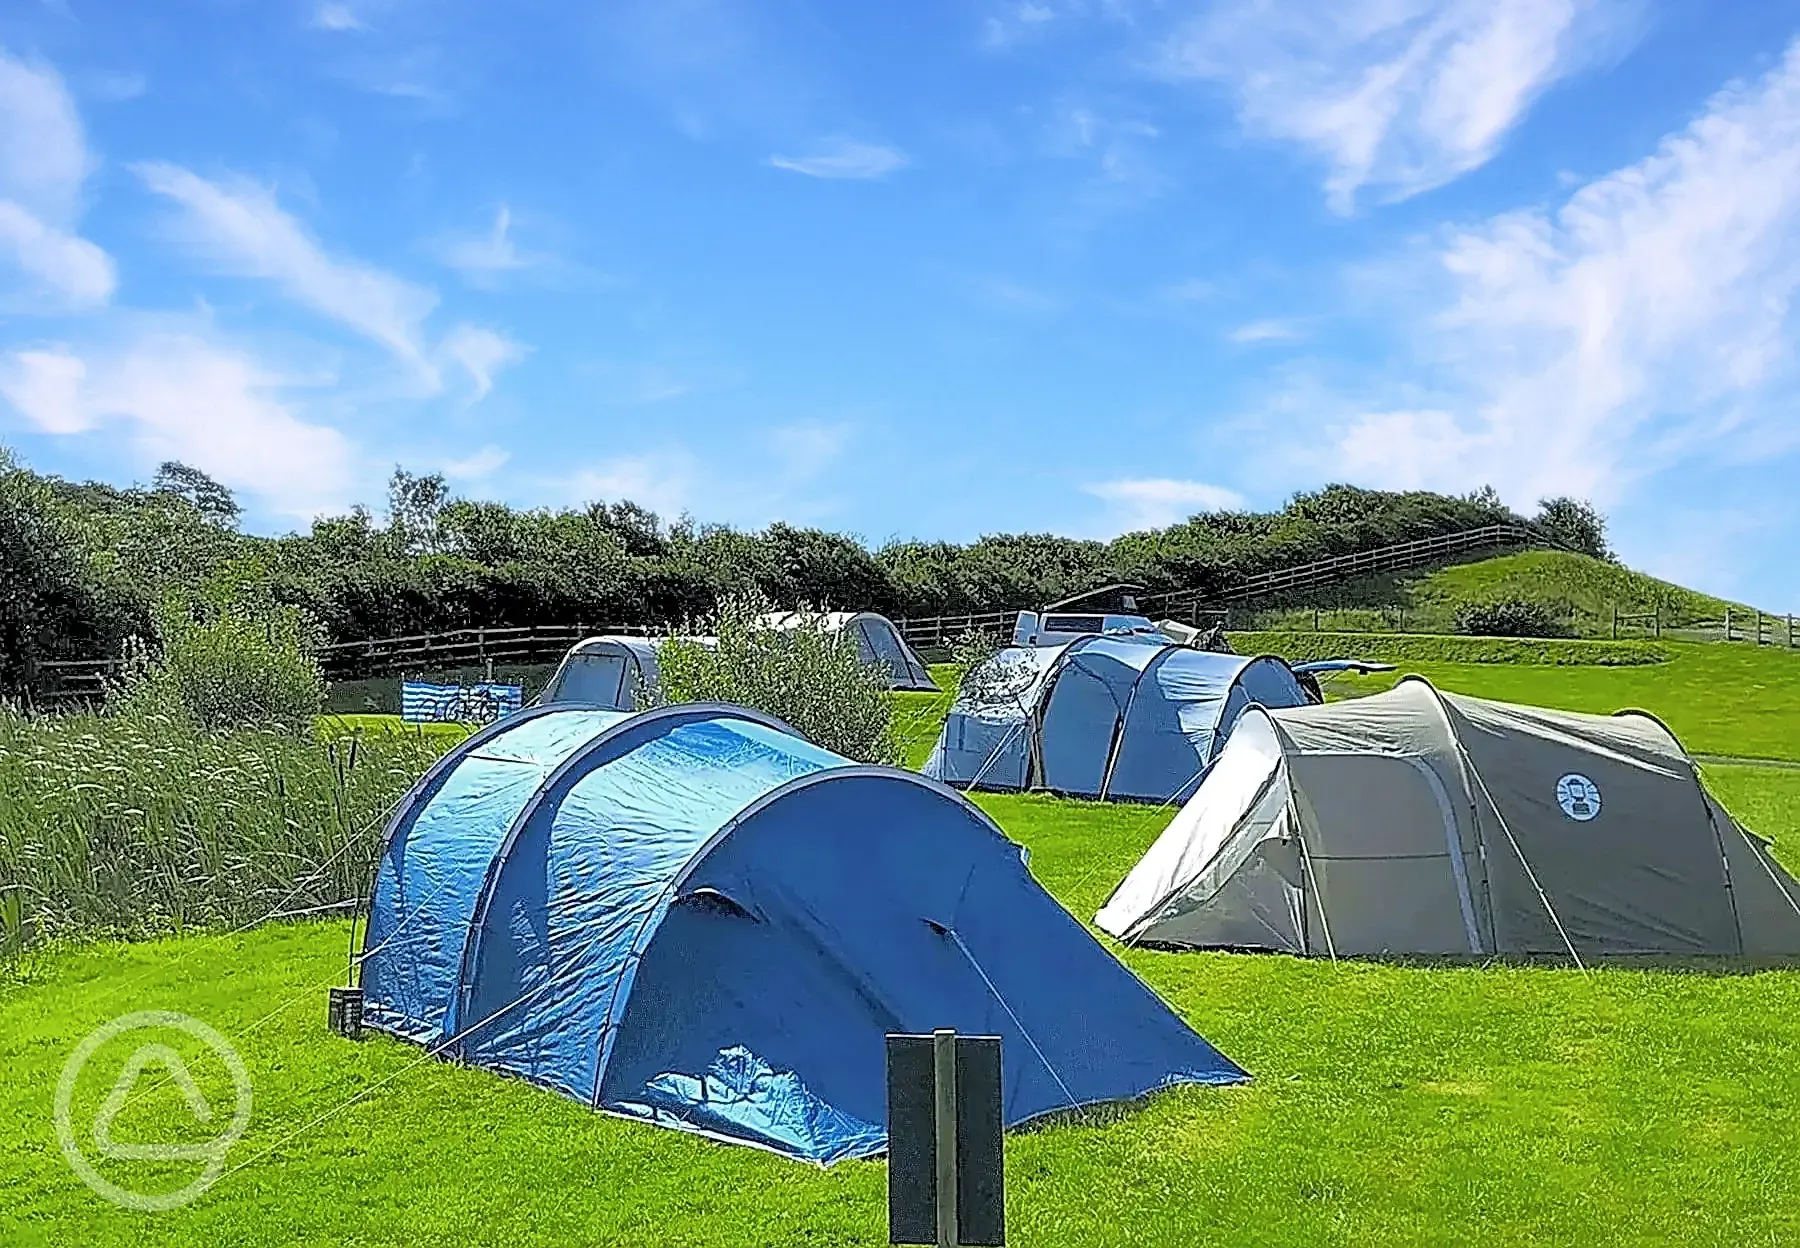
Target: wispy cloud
x=181 y=396
x=483 y=258
x=480 y=353
x=44 y=161
x=1157 y=502
x=73 y=268
x=805 y=448
x=242 y=231
x=1266 y=331
x=844 y=158
x=1395 y=95
x=662 y=481
x=336 y=16
x=478 y=466
x=115 y=87
x=1631 y=329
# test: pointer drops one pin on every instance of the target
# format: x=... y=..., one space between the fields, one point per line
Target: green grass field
x=1391 y=1104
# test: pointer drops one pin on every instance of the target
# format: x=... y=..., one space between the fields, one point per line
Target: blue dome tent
x=1113 y=717
x=693 y=917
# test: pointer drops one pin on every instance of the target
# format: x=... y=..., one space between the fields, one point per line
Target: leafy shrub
x=807 y=677
x=226 y=660
x=1514 y=617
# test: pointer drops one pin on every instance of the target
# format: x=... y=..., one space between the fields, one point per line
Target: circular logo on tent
x=174 y=1070
x=1578 y=796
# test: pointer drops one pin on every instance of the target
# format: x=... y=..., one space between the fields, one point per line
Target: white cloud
x=45 y=387
x=844 y=158
x=481 y=353
x=116 y=87
x=1580 y=350
x=77 y=271
x=483 y=463
x=806 y=448
x=1400 y=95
x=482 y=257
x=1157 y=502
x=1265 y=331
x=662 y=481
x=43 y=162
x=179 y=396
x=244 y=232
x=1193 y=290
x=335 y=16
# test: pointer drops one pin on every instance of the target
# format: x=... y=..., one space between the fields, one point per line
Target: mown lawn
x=1391 y=1105
x=1735 y=699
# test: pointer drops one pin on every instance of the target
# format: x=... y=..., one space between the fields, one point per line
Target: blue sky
x=929 y=269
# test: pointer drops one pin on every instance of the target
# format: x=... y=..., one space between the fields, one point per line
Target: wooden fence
x=62 y=682
x=1395 y=558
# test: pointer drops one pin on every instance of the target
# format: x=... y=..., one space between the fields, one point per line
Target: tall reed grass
x=142 y=824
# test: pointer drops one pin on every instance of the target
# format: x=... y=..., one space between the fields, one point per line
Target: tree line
x=86 y=565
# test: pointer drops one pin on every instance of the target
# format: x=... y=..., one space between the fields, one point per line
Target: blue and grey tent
x=605 y=671
x=1120 y=718
x=693 y=917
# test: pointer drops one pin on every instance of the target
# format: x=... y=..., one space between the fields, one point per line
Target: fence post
x=1727 y=623
x=1615 y=632
x=1315 y=619
x=1658 y=620
x=1759 y=640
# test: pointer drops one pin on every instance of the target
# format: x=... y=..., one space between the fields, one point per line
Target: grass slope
x=1719 y=699
x=1571 y=584
x=1449 y=648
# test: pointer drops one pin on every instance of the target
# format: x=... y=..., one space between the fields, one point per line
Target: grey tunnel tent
x=604 y=671
x=878 y=643
x=1416 y=822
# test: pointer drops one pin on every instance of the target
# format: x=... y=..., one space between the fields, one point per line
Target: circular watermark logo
x=1578 y=796
x=147 y=1056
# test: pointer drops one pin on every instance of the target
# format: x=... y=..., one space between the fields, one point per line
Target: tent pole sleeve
x=1307 y=863
x=1458 y=867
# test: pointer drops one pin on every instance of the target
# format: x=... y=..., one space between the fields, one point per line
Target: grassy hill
x=1577 y=588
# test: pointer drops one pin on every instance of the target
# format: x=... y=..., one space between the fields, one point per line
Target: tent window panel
x=594 y=678
x=1370 y=806
x=1388 y=906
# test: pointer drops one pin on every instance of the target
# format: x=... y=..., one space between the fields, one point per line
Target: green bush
x=808 y=678
x=227 y=660
x=1514 y=617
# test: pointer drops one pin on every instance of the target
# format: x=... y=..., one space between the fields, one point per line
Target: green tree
x=1576 y=523
x=212 y=500
x=46 y=606
x=415 y=505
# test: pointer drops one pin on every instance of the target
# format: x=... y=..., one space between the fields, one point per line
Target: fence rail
x=942 y=630
x=1201 y=607
x=1757 y=627
x=64 y=681
x=1395 y=558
